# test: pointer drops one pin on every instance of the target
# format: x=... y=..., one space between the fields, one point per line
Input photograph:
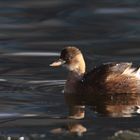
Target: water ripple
x=48 y=82
x=33 y=54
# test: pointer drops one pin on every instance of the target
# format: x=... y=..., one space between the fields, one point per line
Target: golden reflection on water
x=114 y=105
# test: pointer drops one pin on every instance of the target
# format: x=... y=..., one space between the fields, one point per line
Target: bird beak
x=57 y=63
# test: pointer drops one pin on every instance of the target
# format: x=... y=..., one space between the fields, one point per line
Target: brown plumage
x=114 y=78
x=109 y=78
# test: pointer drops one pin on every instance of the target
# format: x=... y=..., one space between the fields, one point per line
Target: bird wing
x=107 y=68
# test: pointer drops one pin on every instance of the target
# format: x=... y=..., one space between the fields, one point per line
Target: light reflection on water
x=33 y=54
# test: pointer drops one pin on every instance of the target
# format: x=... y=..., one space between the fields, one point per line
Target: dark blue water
x=32 y=34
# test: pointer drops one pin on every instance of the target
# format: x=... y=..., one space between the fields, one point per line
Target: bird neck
x=78 y=66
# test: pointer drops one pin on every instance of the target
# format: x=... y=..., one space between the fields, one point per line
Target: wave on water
x=33 y=54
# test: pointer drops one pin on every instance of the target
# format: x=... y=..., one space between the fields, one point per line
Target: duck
x=108 y=78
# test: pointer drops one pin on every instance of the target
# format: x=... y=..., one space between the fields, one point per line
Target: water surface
x=32 y=33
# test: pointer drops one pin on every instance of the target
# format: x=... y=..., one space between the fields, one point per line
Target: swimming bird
x=108 y=78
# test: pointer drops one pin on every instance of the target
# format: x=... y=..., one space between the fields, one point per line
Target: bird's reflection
x=114 y=105
x=70 y=128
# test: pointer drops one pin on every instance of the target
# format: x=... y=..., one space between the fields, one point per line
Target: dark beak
x=57 y=63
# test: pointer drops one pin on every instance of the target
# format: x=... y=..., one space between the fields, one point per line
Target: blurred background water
x=32 y=33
